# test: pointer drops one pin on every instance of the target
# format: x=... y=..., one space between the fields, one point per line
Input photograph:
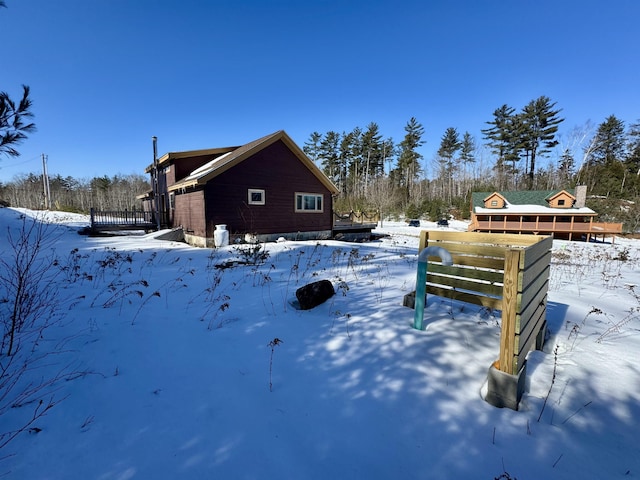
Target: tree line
x=518 y=150
x=118 y=192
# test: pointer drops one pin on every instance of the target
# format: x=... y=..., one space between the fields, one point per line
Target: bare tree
x=31 y=305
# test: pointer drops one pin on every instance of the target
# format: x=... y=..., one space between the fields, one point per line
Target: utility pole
x=156 y=189
x=45 y=183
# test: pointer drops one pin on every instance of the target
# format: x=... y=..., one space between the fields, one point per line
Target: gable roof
x=493 y=194
x=525 y=201
x=209 y=152
x=226 y=158
x=522 y=197
x=560 y=193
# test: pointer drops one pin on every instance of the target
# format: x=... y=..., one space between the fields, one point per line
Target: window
x=561 y=202
x=256 y=196
x=308 y=202
x=494 y=203
x=172 y=200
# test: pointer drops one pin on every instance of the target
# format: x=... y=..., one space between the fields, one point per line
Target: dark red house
x=268 y=188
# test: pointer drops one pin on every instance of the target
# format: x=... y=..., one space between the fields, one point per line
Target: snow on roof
x=206 y=168
x=533 y=209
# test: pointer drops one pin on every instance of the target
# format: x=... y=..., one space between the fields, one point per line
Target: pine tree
x=467 y=149
x=566 y=166
x=449 y=145
x=408 y=167
x=351 y=152
x=633 y=148
x=503 y=138
x=328 y=156
x=312 y=146
x=539 y=122
x=609 y=142
x=467 y=157
x=604 y=171
x=13 y=129
x=372 y=151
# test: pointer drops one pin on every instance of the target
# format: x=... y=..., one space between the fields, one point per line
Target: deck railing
x=121 y=220
x=509 y=226
x=355 y=218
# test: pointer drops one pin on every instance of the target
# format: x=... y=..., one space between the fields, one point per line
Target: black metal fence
x=122 y=220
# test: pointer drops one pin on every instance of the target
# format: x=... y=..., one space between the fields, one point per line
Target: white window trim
x=305 y=194
x=251 y=191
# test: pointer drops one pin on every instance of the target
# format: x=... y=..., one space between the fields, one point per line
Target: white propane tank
x=221 y=236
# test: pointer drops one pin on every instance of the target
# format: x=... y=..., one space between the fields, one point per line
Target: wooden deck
x=109 y=221
x=571 y=230
x=354 y=225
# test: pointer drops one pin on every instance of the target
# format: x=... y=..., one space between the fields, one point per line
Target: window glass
x=256 y=196
x=308 y=202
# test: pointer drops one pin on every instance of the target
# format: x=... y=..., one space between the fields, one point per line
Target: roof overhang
x=233 y=156
x=170 y=156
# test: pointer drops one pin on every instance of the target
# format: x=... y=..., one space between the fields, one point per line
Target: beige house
x=560 y=213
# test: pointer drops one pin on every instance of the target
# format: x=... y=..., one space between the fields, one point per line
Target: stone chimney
x=581 y=196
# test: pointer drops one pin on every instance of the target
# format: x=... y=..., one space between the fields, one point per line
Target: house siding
x=188 y=213
x=562 y=200
x=278 y=172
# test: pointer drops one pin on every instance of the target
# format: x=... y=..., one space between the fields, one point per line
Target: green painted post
x=421 y=288
x=421 y=280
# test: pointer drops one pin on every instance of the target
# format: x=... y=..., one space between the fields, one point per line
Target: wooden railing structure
x=505 y=272
x=112 y=220
x=573 y=229
x=355 y=218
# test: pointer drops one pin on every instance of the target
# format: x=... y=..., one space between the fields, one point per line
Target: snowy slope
x=167 y=363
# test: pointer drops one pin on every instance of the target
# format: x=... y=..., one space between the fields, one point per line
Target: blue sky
x=107 y=75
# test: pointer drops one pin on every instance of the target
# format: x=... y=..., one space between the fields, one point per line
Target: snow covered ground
x=166 y=364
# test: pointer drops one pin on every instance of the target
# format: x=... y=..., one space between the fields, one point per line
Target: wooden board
x=464 y=284
x=534 y=252
x=509 y=303
x=541 y=266
x=491 y=276
x=532 y=326
x=506 y=239
x=489 y=302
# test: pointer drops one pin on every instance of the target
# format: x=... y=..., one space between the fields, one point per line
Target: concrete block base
x=409 y=300
x=504 y=389
x=541 y=337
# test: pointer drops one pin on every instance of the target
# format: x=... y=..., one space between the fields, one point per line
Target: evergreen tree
x=449 y=145
x=372 y=151
x=604 y=171
x=328 y=156
x=408 y=167
x=467 y=157
x=504 y=140
x=566 y=166
x=351 y=152
x=388 y=152
x=312 y=146
x=631 y=186
x=467 y=149
x=13 y=129
x=539 y=123
x=633 y=149
x=609 y=143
